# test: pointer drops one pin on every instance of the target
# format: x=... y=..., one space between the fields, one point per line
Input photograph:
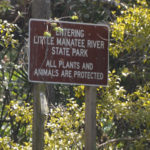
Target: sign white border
x=67 y=83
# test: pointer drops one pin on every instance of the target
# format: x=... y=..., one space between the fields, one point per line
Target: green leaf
x=48 y=34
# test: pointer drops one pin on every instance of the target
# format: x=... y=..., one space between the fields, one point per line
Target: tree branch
x=119 y=140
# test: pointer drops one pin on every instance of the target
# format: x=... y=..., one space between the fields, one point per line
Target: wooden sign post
x=90 y=118
x=77 y=54
x=38 y=119
x=40 y=9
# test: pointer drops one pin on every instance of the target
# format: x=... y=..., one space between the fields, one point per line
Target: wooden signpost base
x=90 y=118
x=38 y=119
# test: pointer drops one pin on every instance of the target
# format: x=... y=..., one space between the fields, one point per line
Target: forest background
x=123 y=107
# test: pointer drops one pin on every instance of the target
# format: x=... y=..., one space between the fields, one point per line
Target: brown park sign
x=77 y=54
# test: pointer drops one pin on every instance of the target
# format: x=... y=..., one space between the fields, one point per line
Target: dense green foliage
x=123 y=107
